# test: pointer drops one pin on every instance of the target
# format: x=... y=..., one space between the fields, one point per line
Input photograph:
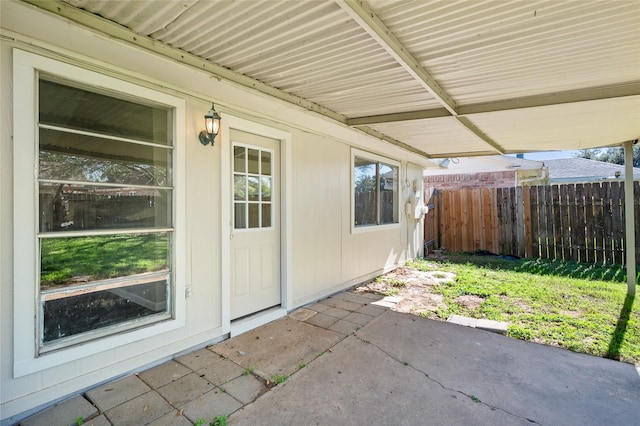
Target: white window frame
x=26 y=67
x=378 y=158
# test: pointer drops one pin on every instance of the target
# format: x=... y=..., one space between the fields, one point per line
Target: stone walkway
x=222 y=378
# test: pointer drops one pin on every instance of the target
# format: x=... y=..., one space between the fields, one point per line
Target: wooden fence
x=581 y=222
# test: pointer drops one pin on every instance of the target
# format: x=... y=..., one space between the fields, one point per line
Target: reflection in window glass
x=254 y=215
x=75 y=207
x=388 y=190
x=104 y=170
x=375 y=192
x=266 y=215
x=95 y=310
x=239 y=187
x=365 y=191
x=64 y=156
x=253 y=161
x=76 y=108
x=265 y=163
x=75 y=260
x=254 y=210
x=240 y=215
x=239 y=159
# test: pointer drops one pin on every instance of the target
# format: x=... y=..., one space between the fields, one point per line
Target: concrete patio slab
x=278 y=347
x=199 y=359
x=381 y=367
x=163 y=374
x=545 y=384
x=358 y=384
x=65 y=413
x=210 y=405
x=115 y=393
x=184 y=389
x=139 y=411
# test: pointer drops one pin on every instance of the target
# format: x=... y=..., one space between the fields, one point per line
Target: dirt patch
x=470 y=301
x=412 y=288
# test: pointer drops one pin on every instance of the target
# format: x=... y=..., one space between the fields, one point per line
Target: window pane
x=239 y=187
x=254 y=164
x=254 y=188
x=266 y=163
x=67 y=106
x=72 y=207
x=240 y=215
x=364 y=177
x=254 y=215
x=266 y=189
x=76 y=260
x=67 y=156
x=266 y=215
x=87 y=312
x=388 y=194
x=239 y=159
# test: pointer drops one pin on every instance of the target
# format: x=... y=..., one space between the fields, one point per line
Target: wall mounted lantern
x=212 y=126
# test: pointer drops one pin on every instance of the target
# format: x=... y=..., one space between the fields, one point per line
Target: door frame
x=227 y=123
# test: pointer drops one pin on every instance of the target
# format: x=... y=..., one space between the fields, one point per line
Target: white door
x=255 y=223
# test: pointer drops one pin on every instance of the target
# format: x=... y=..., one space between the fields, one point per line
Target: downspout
x=629 y=218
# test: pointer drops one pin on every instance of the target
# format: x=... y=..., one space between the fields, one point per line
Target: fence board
x=588 y=221
x=582 y=222
x=558 y=230
x=636 y=210
x=599 y=194
x=548 y=222
x=535 y=233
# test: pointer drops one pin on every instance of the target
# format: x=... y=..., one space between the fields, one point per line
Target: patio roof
x=439 y=78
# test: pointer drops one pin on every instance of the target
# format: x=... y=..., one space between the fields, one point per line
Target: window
x=252 y=186
x=104 y=260
x=375 y=188
x=92 y=261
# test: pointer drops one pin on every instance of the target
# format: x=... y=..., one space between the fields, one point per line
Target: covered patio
x=440 y=79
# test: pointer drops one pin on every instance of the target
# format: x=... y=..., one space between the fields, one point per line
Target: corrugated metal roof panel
x=437 y=137
x=485 y=51
x=580 y=125
x=311 y=49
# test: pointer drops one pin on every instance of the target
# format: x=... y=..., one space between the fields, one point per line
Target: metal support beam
x=369 y=21
x=629 y=222
x=586 y=95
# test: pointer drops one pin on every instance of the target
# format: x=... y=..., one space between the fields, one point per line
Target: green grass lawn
x=580 y=307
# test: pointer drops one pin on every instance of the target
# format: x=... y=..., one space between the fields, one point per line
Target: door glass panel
x=266 y=189
x=239 y=159
x=240 y=215
x=266 y=215
x=266 y=163
x=254 y=188
x=254 y=164
x=239 y=187
x=254 y=215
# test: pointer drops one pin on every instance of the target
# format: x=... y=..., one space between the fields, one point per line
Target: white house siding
x=324 y=255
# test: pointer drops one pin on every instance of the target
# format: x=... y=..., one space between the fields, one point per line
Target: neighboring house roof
x=488 y=163
x=582 y=169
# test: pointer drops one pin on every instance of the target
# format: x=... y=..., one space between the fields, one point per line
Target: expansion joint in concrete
x=471 y=397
